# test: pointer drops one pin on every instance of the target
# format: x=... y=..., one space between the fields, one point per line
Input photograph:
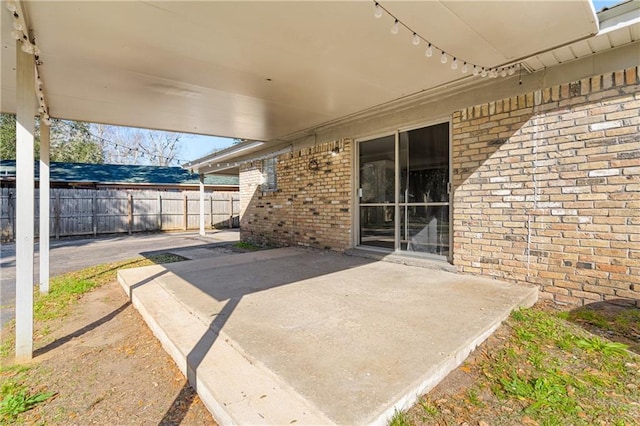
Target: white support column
x=202 y=205
x=44 y=208
x=25 y=192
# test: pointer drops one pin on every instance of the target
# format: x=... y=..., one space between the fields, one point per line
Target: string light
x=416 y=39
x=429 y=51
x=19 y=33
x=27 y=46
x=378 y=11
x=395 y=28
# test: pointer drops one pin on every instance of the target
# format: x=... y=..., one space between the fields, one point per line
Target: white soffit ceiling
x=619 y=26
x=262 y=70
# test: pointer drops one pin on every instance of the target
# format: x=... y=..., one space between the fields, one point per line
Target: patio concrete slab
x=310 y=337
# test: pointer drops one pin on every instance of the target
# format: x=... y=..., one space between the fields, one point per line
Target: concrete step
x=236 y=390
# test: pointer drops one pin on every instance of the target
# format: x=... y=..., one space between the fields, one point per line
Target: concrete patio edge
x=221 y=363
x=236 y=386
x=435 y=375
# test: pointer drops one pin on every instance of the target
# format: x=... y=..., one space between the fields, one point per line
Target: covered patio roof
x=263 y=70
x=255 y=70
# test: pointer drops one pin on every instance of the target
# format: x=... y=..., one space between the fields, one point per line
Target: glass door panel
x=424 y=194
x=377 y=192
x=377 y=226
x=425 y=229
x=377 y=170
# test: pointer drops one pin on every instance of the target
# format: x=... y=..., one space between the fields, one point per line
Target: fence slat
x=93 y=212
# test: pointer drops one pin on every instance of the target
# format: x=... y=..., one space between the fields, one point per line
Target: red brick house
x=531 y=177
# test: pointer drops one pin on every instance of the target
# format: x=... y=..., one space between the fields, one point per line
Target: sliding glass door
x=404 y=191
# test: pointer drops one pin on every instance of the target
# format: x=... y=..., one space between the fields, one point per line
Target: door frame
x=355 y=231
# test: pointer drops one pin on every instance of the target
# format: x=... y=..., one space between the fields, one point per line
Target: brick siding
x=547 y=189
x=310 y=208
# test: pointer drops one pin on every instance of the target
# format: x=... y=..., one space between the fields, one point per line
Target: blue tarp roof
x=120 y=174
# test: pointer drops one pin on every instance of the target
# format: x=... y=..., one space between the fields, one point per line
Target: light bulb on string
x=444 y=56
x=18 y=26
x=27 y=47
x=377 y=11
x=395 y=28
x=429 y=52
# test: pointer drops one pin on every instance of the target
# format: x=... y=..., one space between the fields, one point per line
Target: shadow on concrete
x=176 y=413
x=231 y=286
x=262 y=273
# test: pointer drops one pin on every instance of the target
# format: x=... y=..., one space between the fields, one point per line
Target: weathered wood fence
x=92 y=212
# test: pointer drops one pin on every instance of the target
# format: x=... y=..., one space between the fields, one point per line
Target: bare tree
x=123 y=145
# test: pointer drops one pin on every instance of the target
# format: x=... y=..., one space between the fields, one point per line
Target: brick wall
x=310 y=208
x=547 y=189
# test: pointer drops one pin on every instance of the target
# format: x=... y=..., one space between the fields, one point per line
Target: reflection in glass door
x=424 y=190
x=404 y=191
x=377 y=192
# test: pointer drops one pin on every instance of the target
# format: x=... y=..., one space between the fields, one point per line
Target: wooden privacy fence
x=92 y=212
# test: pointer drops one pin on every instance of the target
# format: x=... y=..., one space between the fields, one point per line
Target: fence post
x=130 y=224
x=210 y=211
x=159 y=211
x=185 y=217
x=94 y=213
x=12 y=215
x=56 y=215
x=230 y=210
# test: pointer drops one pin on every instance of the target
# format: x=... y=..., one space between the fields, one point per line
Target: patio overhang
x=263 y=70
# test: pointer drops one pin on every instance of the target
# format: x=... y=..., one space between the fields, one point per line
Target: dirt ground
x=106 y=367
